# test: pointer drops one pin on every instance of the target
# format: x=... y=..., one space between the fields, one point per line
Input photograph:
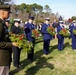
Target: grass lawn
x=55 y=63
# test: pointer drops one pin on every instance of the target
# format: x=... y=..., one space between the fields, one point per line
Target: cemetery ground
x=55 y=63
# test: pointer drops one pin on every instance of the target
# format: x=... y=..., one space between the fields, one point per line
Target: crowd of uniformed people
x=7 y=48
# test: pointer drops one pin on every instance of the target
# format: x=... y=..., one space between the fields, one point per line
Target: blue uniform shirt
x=58 y=30
x=46 y=35
x=28 y=31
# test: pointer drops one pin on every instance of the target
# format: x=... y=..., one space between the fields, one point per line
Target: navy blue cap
x=31 y=17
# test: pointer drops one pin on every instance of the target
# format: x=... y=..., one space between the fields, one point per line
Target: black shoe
x=31 y=60
x=19 y=66
x=46 y=53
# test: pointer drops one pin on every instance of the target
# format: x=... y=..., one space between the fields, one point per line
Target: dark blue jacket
x=73 y=36
x=60 y=38
x=46 y=35
x=28 y=31
x=58 y=30
x=71 y=30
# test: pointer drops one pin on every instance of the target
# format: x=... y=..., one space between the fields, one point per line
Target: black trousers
x=46 y=46
x=16 y=56
x=31 y=54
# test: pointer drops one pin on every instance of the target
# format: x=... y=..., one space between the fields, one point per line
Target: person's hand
x=15 y=44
